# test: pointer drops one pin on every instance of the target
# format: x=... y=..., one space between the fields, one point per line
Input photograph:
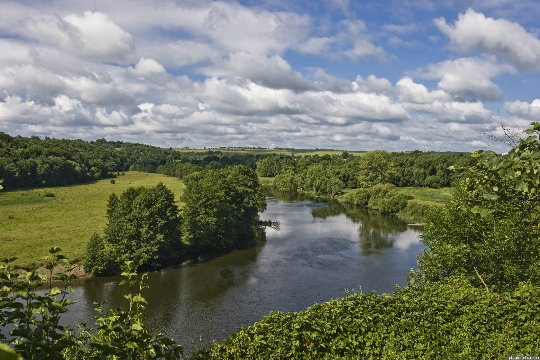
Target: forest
x=474 y=294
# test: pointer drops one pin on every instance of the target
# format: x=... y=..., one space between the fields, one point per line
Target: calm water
x=320 y=252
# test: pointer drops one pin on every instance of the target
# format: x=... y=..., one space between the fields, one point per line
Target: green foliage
x=329 y=175
x=416 y=211
x=441 y=321
x=383 y=197
x=33 y=317
x=97 y=260
x=143 y=227
x=221 y=207
x=491 y=227
x=376 y=167
x=35 y=162
x=122 y=334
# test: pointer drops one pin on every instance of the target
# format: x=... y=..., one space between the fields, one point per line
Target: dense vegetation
x=220 y=212
x=474 y=295
x=221 y=207
x=143 y=227
x=35 y=162
x=369 y=180
x=313 y=173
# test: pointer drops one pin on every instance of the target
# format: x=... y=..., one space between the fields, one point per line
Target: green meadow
x=428 y=196
x=32 y=221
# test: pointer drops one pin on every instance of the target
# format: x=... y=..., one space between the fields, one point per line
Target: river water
x=320 y=252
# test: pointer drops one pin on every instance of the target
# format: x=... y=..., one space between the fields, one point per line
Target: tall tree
x=221 y=207
x=143 y=227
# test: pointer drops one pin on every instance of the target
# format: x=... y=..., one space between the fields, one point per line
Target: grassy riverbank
x=32 y=221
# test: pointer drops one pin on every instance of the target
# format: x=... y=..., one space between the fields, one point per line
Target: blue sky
x=343 y=74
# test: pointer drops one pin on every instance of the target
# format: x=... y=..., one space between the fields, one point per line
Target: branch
x=482 y=280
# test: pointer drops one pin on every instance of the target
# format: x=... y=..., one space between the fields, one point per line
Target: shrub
x=96 y=259
x=113 y=181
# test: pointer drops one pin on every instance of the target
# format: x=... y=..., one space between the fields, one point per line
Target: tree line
x=327 y=175
x=36 y=162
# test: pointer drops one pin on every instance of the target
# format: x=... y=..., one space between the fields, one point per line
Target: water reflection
x=319 y=252
x=375 y=230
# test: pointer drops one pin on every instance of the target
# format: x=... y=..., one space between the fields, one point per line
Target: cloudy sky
x=343 y=74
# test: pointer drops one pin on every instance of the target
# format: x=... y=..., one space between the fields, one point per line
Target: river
x=320 y=252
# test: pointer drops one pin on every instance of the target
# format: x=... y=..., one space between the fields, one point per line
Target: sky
x=357 y=75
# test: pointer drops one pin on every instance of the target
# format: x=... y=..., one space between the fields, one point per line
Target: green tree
x=221 y=206
x=376 y=167
x=143 y=227
x=489 y=232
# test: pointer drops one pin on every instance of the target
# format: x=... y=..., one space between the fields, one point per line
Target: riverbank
x=420 y=200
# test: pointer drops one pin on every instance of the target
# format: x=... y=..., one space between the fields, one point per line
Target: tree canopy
x=143 y=227
x=489 y=232
x=221 y=207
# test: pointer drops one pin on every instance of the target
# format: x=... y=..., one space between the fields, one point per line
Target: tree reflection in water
x=376 y=230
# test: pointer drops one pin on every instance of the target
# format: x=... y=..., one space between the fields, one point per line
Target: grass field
x=319 y=152
x=31 y=223
x=428 y=196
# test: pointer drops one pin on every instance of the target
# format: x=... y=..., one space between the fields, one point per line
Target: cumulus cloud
x=410 y=92
x=468 y=78
x=524 y=110
x=352 y=41
x=93 y=35
x=500 y=37
x=471 y=112
x=327 y=82
x=64 y=112
x=373 y=84
x=202 y=73
x=273 y=72
x=149 y=69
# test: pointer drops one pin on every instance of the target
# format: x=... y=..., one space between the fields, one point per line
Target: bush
x=393 y=204
x=113 y=181
x=416 y=211
x=452 y=320
x=96 y=260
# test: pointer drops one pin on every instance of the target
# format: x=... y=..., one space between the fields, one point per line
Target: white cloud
x=472 y=112
x=327 y=82
x=150 y=70
x=93 y=35
x=468 y=77
x=373 y=84
x=524 y=110
x=273 y=71
x=410 y=92
x=500 y=37
x=352 y=41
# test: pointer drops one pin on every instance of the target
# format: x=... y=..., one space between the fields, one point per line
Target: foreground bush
x=452 y=320
x=32 y=318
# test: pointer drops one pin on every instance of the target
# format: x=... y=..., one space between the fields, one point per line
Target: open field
x=31 y=223
x=319 y=152
x=428 y=196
